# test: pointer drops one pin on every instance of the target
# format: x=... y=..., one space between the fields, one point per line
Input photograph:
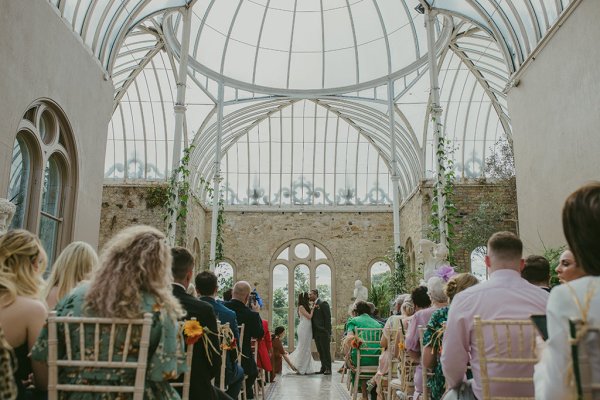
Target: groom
x=321 y=330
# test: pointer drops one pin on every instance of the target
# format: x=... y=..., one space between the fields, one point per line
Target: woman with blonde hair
x=72 y=266
x=22 y=314
x=133 y=277
x=434 y=333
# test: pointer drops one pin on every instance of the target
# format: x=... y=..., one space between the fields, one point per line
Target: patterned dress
x=165 y=354
x=433 y=336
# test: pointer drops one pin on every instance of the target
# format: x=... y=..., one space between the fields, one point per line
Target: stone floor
x=309 y=387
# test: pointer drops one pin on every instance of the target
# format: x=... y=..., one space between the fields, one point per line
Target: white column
x=394 y=160
x=436 y=116
x=216 y=178
x=180 y=109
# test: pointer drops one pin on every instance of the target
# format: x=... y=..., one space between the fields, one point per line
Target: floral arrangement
x=401 y=346
x=445 y=272
x=194 y=332
x=356 y=342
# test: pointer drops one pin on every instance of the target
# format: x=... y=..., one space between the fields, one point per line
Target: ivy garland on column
x=444 y=187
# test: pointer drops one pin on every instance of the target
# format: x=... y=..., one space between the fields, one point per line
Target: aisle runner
x=308 y=387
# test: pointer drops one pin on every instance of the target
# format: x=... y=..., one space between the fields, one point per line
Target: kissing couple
x=315 y=323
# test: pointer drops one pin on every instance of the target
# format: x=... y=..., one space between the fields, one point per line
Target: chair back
x=241 y=344
x=370 y=347
x=119 y=352
x=225 y=339
x=585 y=340
x=8 y=386
x=510 y=345
x=392 y=360
x=185 y=385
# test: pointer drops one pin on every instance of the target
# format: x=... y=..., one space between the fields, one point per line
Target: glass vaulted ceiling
x=306 y=120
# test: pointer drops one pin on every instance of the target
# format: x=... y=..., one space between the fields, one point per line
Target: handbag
x=464 y=392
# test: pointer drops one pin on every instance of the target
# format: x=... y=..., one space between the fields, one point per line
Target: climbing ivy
x=178 y=194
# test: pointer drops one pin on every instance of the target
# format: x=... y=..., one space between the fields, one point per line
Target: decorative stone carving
x=360 y=292
x=7 y=212
x=433 y=256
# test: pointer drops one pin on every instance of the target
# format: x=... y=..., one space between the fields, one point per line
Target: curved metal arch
x=173 y=43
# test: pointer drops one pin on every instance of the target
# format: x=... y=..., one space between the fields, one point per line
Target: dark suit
x=202 y=371
x=253 y=328
x=234 y=375
x=321 y=329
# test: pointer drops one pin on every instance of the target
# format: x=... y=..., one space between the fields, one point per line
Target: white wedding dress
x=301 y=357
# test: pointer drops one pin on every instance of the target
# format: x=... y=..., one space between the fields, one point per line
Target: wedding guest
x=207 y=286
x=434 y=332
x=265 y=349
x=253 y=329
x=504 y=296
x=227 y=294
x=435 y=291
x=206 y=360
x=22 y=314
x=72 y=266
x=133 y=277
x=279 y=353
x=576 y=299
x=537 y=272
x=567 y=268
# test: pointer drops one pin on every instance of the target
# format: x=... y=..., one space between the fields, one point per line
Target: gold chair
x=225 y=339
x=185 y=385
x=585 y=340
x=91 y=352
x=392 y=359
x=513 y=345
x=243 y=395
x=406 y=368
x=369 y=349
x=426 y=373
x=259 y=383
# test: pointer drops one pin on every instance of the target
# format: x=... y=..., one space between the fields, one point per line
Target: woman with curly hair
x=72 y=266
x=22 y=314
x=434 y=332
x=133 y=278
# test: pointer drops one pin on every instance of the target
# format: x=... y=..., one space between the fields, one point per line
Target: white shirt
x=552 y=373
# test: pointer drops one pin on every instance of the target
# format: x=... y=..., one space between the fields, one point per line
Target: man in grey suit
x=321 y=329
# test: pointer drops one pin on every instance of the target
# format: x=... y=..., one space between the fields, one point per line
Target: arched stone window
x=43 y=176
x=478 y=267
x=225 y=276
x=298 y=266
x=379 y=271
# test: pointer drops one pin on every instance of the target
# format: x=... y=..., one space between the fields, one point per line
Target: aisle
x=309 y=387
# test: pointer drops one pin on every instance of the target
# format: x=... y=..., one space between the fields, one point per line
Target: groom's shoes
x=320 y=372
x=327 y=372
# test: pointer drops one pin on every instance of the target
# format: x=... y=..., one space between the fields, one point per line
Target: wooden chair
x=369 y=350
x=585 y=340
x=91 y=352
x=225 y=334
x=405 y=369
x=384 y=386
x=513 y=345
x=185 y=385
x=259 y=383
x=426 y=373
x=243 y=395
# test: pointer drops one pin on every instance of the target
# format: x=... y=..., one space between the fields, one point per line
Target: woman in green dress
x=133 y=278
x=434 y=333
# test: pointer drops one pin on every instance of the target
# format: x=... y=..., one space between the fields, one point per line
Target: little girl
x=279 y=353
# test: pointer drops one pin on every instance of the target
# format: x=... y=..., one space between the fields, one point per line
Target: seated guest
x=434 y=332
x=567 y=269
x=265 y=349
x=22 y=314
x=537 y=272
x=207 y=287
x=577 y=299
x=205 y=366
x=72 y=266
x=504 y=296
x=435 y=292
x=133 y=277
x=362 y=320
x=253 y=328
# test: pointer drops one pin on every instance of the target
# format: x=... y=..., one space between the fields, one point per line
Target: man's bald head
x=241 y=291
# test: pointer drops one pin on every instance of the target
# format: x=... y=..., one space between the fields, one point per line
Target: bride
x=301 y=357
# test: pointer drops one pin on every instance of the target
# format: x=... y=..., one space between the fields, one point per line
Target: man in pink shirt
x=504 y=296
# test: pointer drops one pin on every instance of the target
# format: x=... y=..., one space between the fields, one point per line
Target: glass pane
x=48 y=237
x=301 y=284
x=51 y=193
x=51 y=188
x=379 y=272
x=19 y=182
x=224 y=272
x=478 y=267
x=323 y=281
x=280 y=299
x=319 y=254
x=284 y=254
x=302 y=250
